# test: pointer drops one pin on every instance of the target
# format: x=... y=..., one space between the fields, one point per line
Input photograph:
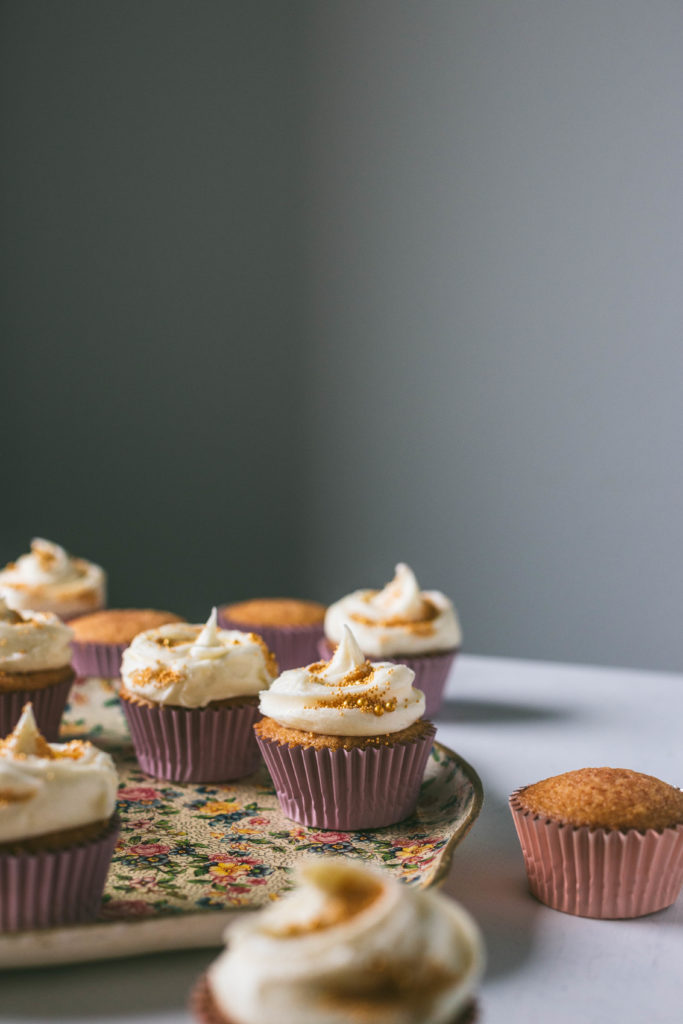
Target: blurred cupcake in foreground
x=404 y=624
x=292 y=629
x=190 y=694
x=101 y=638
x=58 y=828
x=50 y=580
x=345 y=741
x=349 y=944
x=602 y=842
x=35 y=665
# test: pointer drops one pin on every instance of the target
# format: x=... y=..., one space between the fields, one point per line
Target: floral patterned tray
x=189 y=856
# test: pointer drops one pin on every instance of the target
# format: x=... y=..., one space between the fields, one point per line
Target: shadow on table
x=157 y=984
x=485 y=711
x=488 y=877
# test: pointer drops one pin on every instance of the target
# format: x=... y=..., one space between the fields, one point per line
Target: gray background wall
x=292 y=291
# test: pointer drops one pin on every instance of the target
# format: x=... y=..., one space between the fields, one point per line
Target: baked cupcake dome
x=101 y=638
x=349 y=943
x=292 y=628
x=49 y=579
x=190 y=695
x=404 y=624
x=602 y=842
x=344 y=741
x=58 y=828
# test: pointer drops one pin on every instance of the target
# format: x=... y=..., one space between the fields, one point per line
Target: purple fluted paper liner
x=100 y=660
x=293 y=646
x=431 y=672
x=55 y=887
x=367 y=787
x=194 y=744
x=48 y=707
x=599 y=872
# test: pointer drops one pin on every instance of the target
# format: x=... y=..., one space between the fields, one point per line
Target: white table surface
x=516 y=722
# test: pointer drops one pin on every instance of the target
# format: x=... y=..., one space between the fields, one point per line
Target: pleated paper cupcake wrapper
x=367 y=787
x=48 y=705
x=602 y=873
x=194 y=744
x=100 y=660
x=431 y=672
x=293 y=646
x=55 y=887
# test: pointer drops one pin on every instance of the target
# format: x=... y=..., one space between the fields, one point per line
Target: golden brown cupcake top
x=119 y=625
x=605 y=798
x=275 y=611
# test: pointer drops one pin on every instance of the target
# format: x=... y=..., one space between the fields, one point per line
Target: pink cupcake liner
x=431 y=672
x=48 y=705
x=604 y=873
x=361 y=788
x=100 y=660
x=194 y=744
x=293 y=646
x=55 y=887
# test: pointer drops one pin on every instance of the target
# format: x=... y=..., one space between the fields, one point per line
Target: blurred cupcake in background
x=58 y=828
x=35 y=665
x=344 y=741
x=401 y=623
x=190 y=695
x=351 y=943
x=101 y=638
x=291 y=628
x=50 y=580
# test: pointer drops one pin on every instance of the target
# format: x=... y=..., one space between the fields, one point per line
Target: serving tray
x=190 y=856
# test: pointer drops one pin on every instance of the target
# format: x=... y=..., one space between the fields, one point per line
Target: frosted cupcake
x=58 y=828
x=101 y=638
x=602 y=842
x=404 y=624
x=35 y=665
x=349 y=944
x=344 y=741
x=50 y=580
x=292 y=628
x=190 y=694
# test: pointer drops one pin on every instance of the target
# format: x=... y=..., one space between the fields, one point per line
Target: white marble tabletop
x=516 y=722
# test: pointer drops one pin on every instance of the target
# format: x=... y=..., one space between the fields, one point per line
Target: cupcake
x=291 y=628
x=190 y=694
x=345 y=741
x=401 y=623
x=351 y=943
x=50 y=580
x=101 y=638
x=58 y=828
x=602 y=842
x=35 y=665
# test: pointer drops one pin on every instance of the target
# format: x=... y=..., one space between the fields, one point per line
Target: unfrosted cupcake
x=50 y=580
x=602 y=842
x=101 y=638
x=291 y=628
x=35 y=665
x=190 y=694
x=404 y=624
x=58 y=828
x=345 y=741
x=351 y=943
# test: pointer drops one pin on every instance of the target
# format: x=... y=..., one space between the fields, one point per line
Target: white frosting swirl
x=347 y=696
x=51 y=787
x=398 y=620
x=352 y=943
x=32 y=641
x=190 y=666
x=50 y=580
